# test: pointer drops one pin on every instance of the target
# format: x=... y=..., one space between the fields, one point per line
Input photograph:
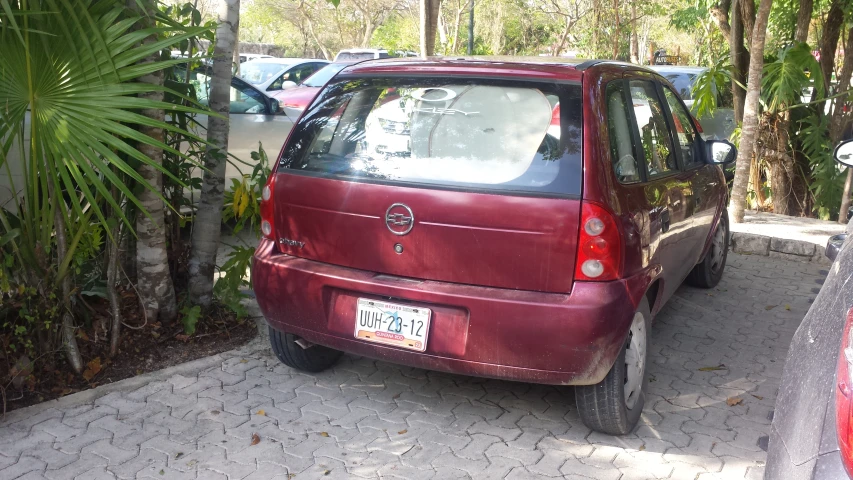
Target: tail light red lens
x=844 y=397
x=267 y=202
x=599 y=245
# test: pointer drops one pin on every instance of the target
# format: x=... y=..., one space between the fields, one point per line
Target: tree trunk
x=750 y=114
x=635 y=44
x=720 y=14
x=804 y=19
x=154 y=280
x=617 y=33
x=208 y=222
x=112 y=295
x=429 y=23
x=69 y=341
x=840 y=119
x=563 y=36
x=747 y=16
x=828 y=45
x=740 y=61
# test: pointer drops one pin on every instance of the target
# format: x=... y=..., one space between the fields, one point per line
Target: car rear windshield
x=683 y=83
x=457 y=133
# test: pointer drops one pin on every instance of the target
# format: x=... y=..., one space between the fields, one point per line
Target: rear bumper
x=491 y=332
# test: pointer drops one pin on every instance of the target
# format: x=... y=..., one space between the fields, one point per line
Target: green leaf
x=190 y=318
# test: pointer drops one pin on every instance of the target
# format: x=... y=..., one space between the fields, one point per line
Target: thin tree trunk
x=208 y=222
x=617 y=33
x=720 y=14
x=69 y=341
x=112 y=295
x=429 y=23
x=740 y=61
x=750 y=116
x=635 y=44
x=828 y=45
x=747 y=16
x=563 y=36
x=840 y=119
x=804 y=19
x=154 y=280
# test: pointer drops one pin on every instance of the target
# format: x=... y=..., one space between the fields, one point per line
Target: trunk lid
x=504 y=241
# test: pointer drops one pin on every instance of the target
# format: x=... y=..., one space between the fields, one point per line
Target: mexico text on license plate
x=392 y=324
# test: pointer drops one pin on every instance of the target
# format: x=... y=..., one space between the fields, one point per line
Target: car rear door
x=435 y=179
x=667 y=189
x=706 y=182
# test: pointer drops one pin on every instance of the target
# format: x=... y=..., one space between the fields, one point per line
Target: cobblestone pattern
x=368 y=419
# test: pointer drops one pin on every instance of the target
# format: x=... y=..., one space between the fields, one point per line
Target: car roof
x=287 y=60
x=662 y=69
x=556 y=68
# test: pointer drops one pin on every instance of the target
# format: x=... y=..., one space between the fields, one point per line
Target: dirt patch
x=145 y=347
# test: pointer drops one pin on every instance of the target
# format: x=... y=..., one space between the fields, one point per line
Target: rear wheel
x=315 y=358
x=614 y=405
x=709 y=272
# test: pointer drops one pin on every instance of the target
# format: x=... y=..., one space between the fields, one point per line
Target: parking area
x=715 y=362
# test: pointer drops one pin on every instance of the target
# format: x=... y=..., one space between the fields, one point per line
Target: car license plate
x=392 y=324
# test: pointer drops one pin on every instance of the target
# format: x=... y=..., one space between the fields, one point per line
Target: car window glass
x=618 y=128
x=684 y=131
x=243 y=100
x=654 y=134
x=257 y=73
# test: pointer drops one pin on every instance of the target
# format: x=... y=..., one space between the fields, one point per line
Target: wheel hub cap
x=635 y=360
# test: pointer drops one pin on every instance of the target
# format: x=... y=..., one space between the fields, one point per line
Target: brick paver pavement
x=369 y=419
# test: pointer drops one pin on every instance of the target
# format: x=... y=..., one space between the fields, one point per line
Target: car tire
x=314 y=359
x=709 y=272
x=613 y=406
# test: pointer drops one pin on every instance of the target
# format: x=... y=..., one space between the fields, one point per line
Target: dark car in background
x=812 y=432
x=519 y=219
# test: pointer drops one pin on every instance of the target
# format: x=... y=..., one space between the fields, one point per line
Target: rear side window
x=454 y=133
x=619 y=130
x=654 y=133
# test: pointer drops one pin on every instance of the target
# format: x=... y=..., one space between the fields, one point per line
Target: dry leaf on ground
x=324 y=434
x=713 y=369
x=732 y=401
x=255 y=439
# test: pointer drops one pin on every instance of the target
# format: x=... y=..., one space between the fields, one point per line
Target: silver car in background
x=718 y=126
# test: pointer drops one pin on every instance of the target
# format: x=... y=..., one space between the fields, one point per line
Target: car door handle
x=665 y=220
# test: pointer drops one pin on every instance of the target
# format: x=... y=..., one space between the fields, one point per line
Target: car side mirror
x=721 y=152
x=288 y=84
x=844 y=153
x=275 y=106
x=833 y=246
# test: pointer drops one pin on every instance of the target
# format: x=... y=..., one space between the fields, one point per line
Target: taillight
x=267 y=201
x=844 y=397
x=698 y=125
x=599 y=245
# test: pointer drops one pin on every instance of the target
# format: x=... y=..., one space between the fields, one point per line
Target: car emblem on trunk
x=399 y=219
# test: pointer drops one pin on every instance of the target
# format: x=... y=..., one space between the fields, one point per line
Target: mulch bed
x=145 y=348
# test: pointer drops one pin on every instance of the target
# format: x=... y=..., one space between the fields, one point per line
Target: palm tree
x=69 y=91
x=749 y=130
x=208 y=222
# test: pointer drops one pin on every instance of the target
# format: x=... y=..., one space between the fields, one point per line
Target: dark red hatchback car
x=511 y=218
